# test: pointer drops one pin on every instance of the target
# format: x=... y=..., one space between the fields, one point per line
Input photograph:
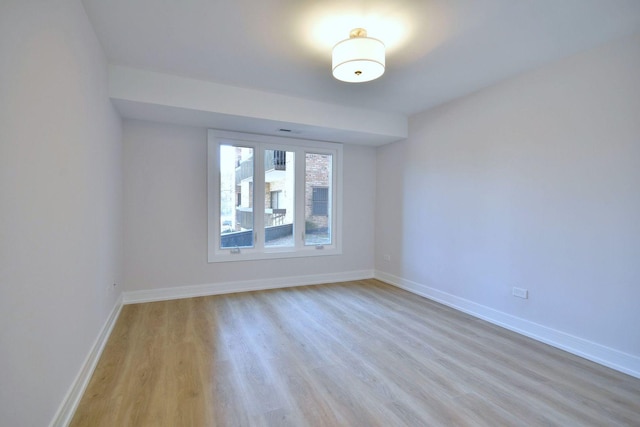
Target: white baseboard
x=190 y=291
x=620 y=361
x=72 y=399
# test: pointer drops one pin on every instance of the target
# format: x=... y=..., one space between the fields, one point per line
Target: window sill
x=252 y=255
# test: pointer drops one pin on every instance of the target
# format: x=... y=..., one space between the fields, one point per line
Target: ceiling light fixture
x=359 y=58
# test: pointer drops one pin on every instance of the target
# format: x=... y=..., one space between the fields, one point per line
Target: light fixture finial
x=357 y=32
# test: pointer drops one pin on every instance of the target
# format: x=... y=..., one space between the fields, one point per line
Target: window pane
x=236 y=197
x=318 y=168
x=279 y=189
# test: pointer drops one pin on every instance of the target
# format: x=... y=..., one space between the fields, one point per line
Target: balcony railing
x=244 y=239
x=275 y=217
x=244 y=170
x=244 y=218
x=273 y=160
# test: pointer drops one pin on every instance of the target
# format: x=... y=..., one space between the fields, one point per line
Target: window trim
x=216 y=138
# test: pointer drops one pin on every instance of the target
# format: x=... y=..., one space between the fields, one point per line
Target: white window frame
x=259 y=143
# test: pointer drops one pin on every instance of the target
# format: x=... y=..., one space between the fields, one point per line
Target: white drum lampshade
x=359 y=58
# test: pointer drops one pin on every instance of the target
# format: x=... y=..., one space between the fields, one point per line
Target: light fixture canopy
x=359 y=58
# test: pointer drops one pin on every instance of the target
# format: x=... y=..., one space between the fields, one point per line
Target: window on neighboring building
x=276 y=199
x=320 y=197
x=272 y=197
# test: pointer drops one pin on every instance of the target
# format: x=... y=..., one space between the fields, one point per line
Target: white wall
x=60 y=203
x=534 y=183
x=165 y=212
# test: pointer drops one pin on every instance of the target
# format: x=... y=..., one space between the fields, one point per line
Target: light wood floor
x=348 y=354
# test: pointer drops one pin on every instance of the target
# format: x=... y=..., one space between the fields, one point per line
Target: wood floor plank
x=359 y=353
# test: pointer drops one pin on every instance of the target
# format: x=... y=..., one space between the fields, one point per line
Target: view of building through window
x=279 y=198
x=237 y=199
x=317 y=216
x=236 y=196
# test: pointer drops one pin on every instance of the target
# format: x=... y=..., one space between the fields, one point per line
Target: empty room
x=319 y=213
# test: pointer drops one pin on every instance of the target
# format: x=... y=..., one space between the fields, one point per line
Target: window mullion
x=300 y=200
x=258 y=197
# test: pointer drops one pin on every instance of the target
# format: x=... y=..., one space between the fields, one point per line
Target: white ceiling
x=437 y=50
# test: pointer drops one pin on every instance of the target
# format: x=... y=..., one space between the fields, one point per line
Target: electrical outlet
x=520 y=293
x=111 y=288
x=386 y=257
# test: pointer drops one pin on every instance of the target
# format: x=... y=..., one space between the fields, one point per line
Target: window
x=272 y=197
x=276 y=199
x=320 y=199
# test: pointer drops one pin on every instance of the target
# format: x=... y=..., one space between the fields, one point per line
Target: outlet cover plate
x=520 y=293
